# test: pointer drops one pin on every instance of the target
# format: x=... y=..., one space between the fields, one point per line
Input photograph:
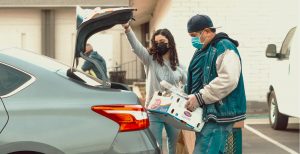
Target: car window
x=11 y=79
x=286 y=45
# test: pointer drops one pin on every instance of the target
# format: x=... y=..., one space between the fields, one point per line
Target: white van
x=283 y=95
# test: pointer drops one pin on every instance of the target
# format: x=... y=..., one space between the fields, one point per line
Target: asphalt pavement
x=260 y=138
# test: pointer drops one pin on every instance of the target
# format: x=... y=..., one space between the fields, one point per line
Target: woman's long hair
x=172 y=49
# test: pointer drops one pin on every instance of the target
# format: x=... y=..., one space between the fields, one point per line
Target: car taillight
x=129 y=117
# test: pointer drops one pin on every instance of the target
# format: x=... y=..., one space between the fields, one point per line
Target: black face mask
x=162 y=48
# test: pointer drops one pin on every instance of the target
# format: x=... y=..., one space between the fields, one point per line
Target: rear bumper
x=134 y=142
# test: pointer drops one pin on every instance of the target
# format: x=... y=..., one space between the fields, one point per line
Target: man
x=215 y=83
x=88 y=65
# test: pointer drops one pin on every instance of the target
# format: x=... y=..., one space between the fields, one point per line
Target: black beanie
x=198 y=23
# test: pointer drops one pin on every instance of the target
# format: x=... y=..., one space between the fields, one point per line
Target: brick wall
x=254 y=23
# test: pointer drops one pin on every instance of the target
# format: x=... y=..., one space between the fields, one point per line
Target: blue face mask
x=196 y=42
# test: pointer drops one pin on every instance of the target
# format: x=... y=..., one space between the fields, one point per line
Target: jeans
x=156 y=127
x=212 y=138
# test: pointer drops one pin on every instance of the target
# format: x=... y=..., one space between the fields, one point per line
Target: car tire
x=277 y=120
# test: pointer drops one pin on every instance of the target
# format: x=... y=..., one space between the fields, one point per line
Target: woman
x=161 y=63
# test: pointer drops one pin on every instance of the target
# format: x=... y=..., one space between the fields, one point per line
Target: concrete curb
x=255 y=107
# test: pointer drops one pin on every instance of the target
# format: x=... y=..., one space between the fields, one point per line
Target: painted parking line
x=258 y=133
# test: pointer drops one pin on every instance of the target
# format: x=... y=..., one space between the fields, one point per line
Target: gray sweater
x=154 y=71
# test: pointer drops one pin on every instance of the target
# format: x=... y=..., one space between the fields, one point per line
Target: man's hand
x=192 y=103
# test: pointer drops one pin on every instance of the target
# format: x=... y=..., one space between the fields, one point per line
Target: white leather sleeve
x=228 y=67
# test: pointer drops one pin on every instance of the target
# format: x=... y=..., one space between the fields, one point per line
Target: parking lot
x=260 y=138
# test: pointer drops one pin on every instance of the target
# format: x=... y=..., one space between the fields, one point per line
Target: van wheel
x=277 y=120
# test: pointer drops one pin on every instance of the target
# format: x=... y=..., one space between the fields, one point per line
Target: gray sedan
x=42 y=109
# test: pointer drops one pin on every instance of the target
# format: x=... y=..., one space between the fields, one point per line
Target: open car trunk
x=90 y=22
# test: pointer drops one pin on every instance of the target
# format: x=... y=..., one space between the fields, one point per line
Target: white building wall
x=117 y=48
x=65 y=34
x=133 y=68
x=254 y=23
x=20 y=28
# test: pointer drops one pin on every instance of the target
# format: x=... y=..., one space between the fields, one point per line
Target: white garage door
x=20 y=28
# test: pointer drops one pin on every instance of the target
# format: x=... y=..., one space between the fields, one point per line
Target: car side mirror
x=271 y=51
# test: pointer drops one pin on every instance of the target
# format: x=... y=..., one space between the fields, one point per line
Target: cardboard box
x=171 y=109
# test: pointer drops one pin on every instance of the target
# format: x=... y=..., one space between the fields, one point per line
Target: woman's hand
x=126 y=26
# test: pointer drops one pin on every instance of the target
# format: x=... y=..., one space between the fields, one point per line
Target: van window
x=286 y=45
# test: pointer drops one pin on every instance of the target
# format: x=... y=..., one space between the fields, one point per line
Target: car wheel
x=277 y=120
